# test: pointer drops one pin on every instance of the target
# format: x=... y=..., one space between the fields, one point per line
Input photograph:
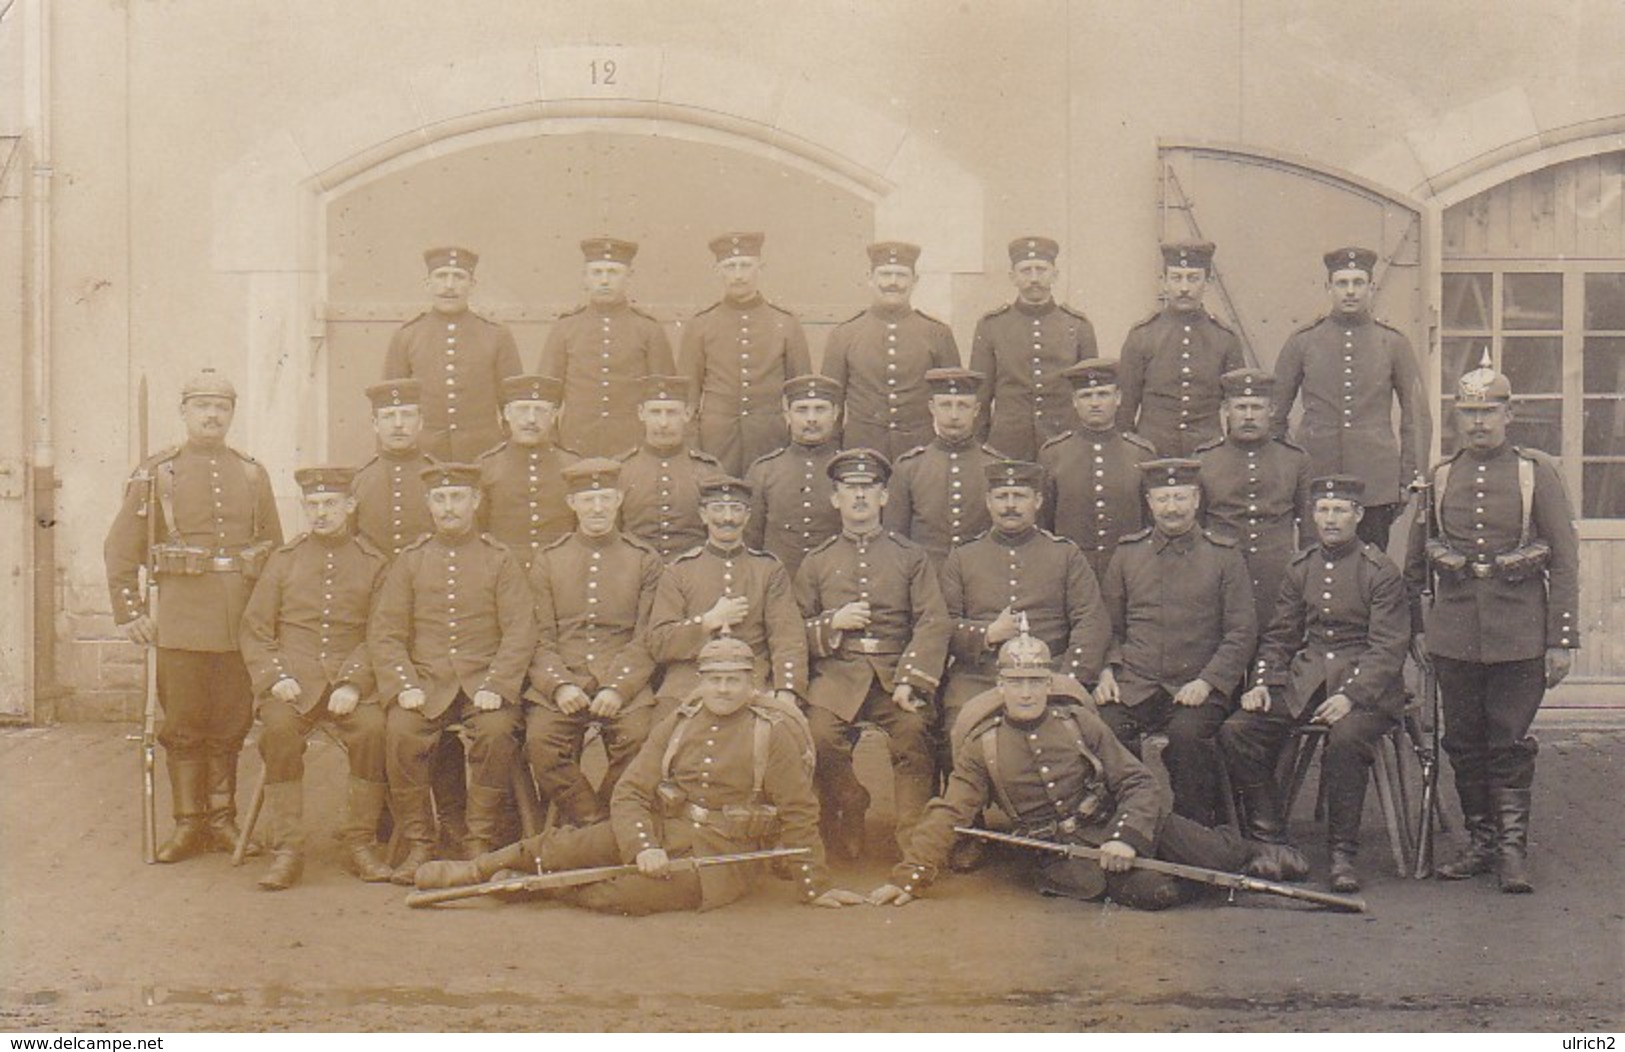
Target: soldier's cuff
x=1134 y=838
x=913 y=877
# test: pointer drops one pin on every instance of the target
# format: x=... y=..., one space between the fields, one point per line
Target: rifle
x=149 y=659
x=1427 y=752
x=570 y=878
x=1233 y=882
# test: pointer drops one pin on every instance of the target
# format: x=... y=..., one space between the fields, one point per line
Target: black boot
x=1275 y=862
x=188 y=784
x=1345 y=804
x=366 y=803
x=1479 y=855
x=284 y=813
x=1264 y=820
x=485 y=806
x=222 y=825
x=412 y=812
x=1512 y=842
x=456 y=874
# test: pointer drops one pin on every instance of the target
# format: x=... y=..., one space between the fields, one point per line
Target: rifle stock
x=1427 y=754
x=1216 y=877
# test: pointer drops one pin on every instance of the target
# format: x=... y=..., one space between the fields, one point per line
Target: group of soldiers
x=1018 y=571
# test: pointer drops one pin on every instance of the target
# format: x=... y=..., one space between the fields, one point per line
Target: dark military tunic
x=1181 y=609
x=1342 y=627
x=453 y=616
x=881 y=357
x=1092 y=490
x=738 y=357
x=391 y=502
x=1257 y=494
x=773 y=627
x=524 y=505
x=1169 y=376
x=661 y=504
x=1036 y=573
x=790 y=509
x=461 y=360
x=307 y=618
x=1021 y=349
x=602 y=354
x=938 y=495
x=1350 y=371
x=906 y=641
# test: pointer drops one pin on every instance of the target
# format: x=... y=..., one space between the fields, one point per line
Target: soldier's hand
x=343 y=700
x=286 y=690
x=1106 y=692
x=653 y=862
x=1004 y=627
x=571 y=699
x=853 y=617
x=889 y=895
x=1256 y=700
x=607 y=703
x=410 y=699
x=726 y=612
x=140 y=631
x=835 y=898
x=487 y=700
x=1193 y=693
x=1332 y=709
x=1116 y=856
x=903 y=697
x=1558 y=662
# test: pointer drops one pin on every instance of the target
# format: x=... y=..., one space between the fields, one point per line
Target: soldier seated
x=1060 y=773
x=729 y=771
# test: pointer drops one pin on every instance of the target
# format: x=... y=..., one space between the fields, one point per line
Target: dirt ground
x=91 y=939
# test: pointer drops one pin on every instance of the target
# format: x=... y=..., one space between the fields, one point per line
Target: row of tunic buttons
x=1348 y=377
x=956 y=495
x=891 y=371
x=451 y=370
x=1102 y=516
x=1184 y=376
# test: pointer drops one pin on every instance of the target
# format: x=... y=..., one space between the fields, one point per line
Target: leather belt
x=871 y=645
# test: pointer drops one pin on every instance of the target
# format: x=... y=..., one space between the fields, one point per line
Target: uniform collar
x=461 y=540
x=744 y=305
x=618 y=307
x=1254 y=445
x=886 y=312
x=863 y=539
x=401 y=456
x=1350 y=321
x=822 y=447
x=198 y=449
x=608 y=540
x=1013 y=540
x=1504 y=449
x=1182 y=543
x=676 y=452
x=1334 y=553
x=725 y=553
x=1036 y=310
x=957 y=445
x=334 y=542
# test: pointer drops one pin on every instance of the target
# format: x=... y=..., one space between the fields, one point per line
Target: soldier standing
x=790 y=508
x=938 y=495
x=1255 y=488
x=738 y=353
x=459 y=357
x=1183 y=630
x=1351 y=370
x=602 y=350
x=660 y=478
x=727 y=772
x=878 y=633
x=523 y=478
x=594 y=589
x=450 y=636
x=391 y=510
x=1504 y=555
x=724 y=587
x=1172 y=361
x=1092 y=473
x=1332 y=655
x=1022 y=348
x=304 y=639
x=880 y=357
x=214 y=522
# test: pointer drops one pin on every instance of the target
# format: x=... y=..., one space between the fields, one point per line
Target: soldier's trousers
x=633 y=894
x=553 y=743
x=207 y=702
x=1190 y=757
x=284 y=730
x=1488 y=708
x=410 y=739
x=913 y=763
x=1178 y=840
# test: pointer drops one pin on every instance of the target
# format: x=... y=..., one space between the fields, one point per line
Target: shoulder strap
x=990 y=755
x=672 y=743
x=166 y=496
x=1526 y=493
x=1441 y=479
x=1083 y=750
x=761 y=732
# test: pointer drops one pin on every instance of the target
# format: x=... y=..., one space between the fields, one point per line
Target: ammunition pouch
x=671 y=798
x=189 y=560
x=1446 y=561
x=750 y=822
x=1091 y=810
x=1524 y=562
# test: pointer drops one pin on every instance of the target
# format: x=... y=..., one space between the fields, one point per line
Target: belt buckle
x=1067 y=825
x=868 y=644
x=1483 y=570
x=223 y=563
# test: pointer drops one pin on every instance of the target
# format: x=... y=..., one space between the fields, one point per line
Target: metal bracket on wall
x=13 y=478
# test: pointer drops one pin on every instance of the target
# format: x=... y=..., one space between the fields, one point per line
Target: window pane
x=1605 y=365
x=1534 y=364
x=1605 y=301
x=1604 y=496
x=1467 y=301
x=1604 y=428
x=1538 y=424
x=1461 y=355
x=1532 y=301
x=1449 y=441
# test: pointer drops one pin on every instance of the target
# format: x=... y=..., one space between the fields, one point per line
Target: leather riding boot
x=413 y=817
x=1275 y=861
x=1264 y=821
x=188 y=783
x=284 y=819
x=222 y=825
x=1512 y=842
x=365 y=804
x=456 y=874
x=1345 y=803
x=485 y=806
x=1479 y=854
x=851 y=810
